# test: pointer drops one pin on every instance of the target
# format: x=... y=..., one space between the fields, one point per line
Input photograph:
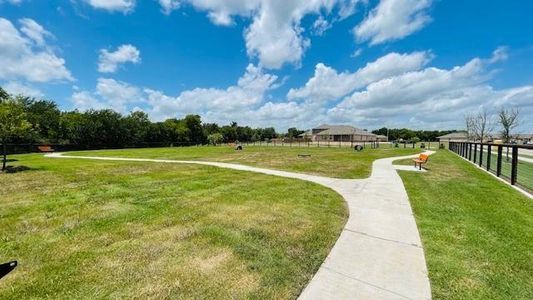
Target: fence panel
x=513 y=163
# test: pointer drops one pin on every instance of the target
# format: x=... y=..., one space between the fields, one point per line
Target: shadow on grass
x=17 y=169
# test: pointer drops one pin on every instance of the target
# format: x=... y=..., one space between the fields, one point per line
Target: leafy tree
x=229 y=133
x=3 y=95
x=176 y=131
x=215 y=139
x=44 y=117
x=13 y=124
x=293 y=132
x=137 y=124
x=508 y=119
x=268 y=133
x=70 y=127
x=210 y=128
x=196 y=132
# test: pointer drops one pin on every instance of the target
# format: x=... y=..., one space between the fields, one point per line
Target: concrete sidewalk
x=378 y=255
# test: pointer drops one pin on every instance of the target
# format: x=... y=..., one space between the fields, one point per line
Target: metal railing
x=511 y=162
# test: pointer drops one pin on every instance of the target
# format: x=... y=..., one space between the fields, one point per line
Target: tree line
x=397 y=134
x=36 y=121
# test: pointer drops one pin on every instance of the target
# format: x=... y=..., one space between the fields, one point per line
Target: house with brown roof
x=459 y=136
x=339 y=133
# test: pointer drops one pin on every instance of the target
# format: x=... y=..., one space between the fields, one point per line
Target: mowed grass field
x=330 y=162
x=477 y=232
x=101 y=229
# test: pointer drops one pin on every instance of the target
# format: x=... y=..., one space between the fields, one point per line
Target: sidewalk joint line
x=365 y=282
x=381 y=238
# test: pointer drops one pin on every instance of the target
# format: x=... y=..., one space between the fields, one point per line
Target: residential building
x=339 y=133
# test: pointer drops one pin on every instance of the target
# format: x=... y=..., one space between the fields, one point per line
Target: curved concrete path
x=378 y=254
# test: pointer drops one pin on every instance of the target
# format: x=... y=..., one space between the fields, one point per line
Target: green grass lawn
x=476 y=231
x=102 y=229
x=332 y=162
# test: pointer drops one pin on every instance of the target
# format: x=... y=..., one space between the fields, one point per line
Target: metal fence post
x=489 y=156
x=499 y=161
x=480 y=154
x=514 y=165
x=475 y=152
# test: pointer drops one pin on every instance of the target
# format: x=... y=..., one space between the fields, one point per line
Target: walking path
x=378 y=255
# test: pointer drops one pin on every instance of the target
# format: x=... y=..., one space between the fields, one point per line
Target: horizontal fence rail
x=513 y=163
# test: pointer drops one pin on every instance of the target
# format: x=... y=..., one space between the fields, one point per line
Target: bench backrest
x=423 y=157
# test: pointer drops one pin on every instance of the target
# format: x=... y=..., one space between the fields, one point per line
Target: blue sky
x=401 y=63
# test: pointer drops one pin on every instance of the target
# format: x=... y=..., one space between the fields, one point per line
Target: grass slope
x=95 y=229
x=331 y=162
x=477 y=232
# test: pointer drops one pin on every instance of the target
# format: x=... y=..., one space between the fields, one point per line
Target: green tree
x=13 y=124
x=70 y=127
x=196 y=132
x=268 y=133
x=176 y=131
x=44 y=118
x=293 y=132
x=229 y=133
x=137 y=125
x=215 y=138
x=210 y=128
x=3 y=95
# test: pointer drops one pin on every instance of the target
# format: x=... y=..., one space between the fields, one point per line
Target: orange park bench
x=45 y=148
x=422 y=159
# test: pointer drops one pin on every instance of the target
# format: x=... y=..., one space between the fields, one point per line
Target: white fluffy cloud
x=124 y=6
x=167 y=6
x=429 y=98
x=109 y=93
x=109 y=62
x=84 y=100
x=394 y=90
x=328 y=84
x=17 y=88
x=34 y=31
x=393 y=20
x=25 y=55
x=275 y=36
x=249 y=92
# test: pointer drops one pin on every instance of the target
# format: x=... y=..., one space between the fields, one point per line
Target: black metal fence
x=513 y=163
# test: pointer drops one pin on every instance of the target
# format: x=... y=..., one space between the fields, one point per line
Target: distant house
x=459 y=136
x=339 y=133
x=462 y=136
x=524 y=138
x=382 y=138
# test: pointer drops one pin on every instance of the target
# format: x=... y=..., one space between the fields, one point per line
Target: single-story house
x=459 y=136
x=382 y=138
x=339 y=133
